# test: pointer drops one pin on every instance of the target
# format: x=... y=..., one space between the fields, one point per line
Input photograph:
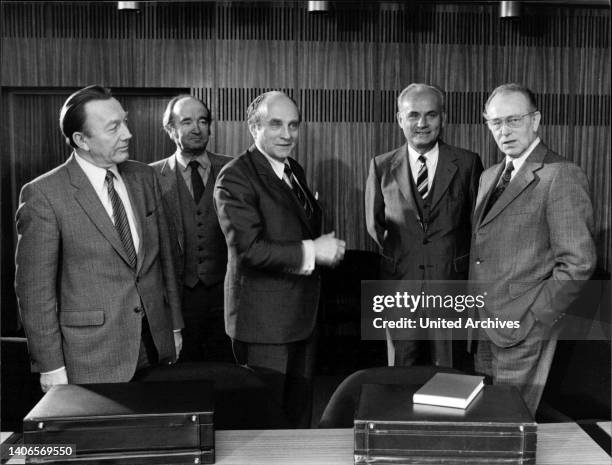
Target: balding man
x=272 y=225
x=418 y=206
x=187 y=179
x=532 y=248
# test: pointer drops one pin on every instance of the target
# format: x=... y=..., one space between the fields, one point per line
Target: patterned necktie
x=501 y=186
x=196 y=181
x=297 y=190
x=422 y=185
x=121 y=222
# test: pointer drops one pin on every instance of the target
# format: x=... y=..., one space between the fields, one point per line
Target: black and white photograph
x=305 y=232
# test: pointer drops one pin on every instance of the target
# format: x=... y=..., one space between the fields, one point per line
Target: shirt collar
x=518 y=162
x=95 y=174
x=277 y=166
x=430 y=155
x=183 y=160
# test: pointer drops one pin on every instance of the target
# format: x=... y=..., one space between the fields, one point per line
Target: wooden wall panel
x=345 y=69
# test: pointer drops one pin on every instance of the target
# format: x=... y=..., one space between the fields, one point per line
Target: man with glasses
x=532 y=246
x=418 y=205
x=187 y=179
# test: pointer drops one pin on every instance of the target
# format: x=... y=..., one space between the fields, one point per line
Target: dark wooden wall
x=345 y=69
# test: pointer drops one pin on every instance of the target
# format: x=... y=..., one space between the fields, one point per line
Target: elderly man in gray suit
x=94 y=277
x=532 y=244
x=187 y=179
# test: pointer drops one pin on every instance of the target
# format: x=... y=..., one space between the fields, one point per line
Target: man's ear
x=398 y=117
x=80 y=140
x=253 y=129
x=443 y=119
x=537 y=117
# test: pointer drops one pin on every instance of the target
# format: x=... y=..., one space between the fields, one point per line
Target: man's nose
x=505 y=129
x=422 y=121
x=285 y=134
x=126 y=133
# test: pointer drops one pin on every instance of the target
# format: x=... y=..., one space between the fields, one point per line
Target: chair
x=20 y=388
x=340 y=410
x=242 y=398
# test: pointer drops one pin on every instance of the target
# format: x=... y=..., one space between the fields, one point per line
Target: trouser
x=288 y=371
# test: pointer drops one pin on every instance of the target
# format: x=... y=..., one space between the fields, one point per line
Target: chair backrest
x=340 y=410
x=242 y=399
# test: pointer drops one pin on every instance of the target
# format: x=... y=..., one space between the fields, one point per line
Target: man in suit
x=187 y=180
x=272 y=225
x=418 y=205
x=532 y=245
x=94 y=276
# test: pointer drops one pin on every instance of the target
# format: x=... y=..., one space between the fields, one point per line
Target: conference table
x=558 y=444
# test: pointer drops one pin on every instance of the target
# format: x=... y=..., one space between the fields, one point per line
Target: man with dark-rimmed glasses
x=532 y=244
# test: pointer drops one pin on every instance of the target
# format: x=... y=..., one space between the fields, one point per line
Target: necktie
x=422 y=185
x=298 y=191
x=196 y=181
x=121 y=222
x=501 y=186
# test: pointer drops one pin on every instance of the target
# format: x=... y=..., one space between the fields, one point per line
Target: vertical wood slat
x=345 y=69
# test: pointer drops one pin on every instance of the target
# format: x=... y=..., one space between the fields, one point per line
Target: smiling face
x=421 y=117
x=277 y=131
x=104 y=140
x=513 y=141
x=190 y=129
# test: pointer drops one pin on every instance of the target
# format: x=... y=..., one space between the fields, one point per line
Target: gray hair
x=255 y=111
x=513 y=87
x=167 y=119
x=418 y=87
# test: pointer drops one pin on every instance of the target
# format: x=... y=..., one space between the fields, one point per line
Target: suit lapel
x=445 y=171
x=264 y=169
x=487 y=184
x=519 y=183
x=400 y=170
x=169 y=188
x=137 y=200
x=87 y=198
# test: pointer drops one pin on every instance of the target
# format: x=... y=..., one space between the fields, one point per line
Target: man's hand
x=178 y=342
x=329 y=250
x=47 y=380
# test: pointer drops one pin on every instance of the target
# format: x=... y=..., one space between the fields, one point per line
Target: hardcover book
x=449 y=390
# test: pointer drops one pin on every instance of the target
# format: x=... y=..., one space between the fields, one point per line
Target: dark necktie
x=298 y=191
x=121 y=222
x=501 y=186
x=422 y=185
x=196 y=181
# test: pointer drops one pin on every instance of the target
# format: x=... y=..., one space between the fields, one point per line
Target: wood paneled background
x=344 y=69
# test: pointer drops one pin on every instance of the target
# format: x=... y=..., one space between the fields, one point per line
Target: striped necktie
x=298 y=191
x=422 y=184
x=121 y=222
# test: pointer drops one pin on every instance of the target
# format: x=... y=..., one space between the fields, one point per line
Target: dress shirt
x=432 y=163
x=308 y=249
x=518 y=162
x=203 y=168
x=97 y=178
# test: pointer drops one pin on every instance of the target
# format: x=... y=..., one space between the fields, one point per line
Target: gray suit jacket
x=166 y=173
x=80 y=301
x=534 y=249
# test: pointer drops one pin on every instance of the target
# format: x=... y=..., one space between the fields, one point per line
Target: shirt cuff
x=57 y=370
x=308 y=257
x=176 y=330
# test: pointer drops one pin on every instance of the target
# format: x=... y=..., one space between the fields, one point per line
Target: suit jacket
x=266 y=301
x=167 y=176
x=80 y=301
x=534 y=249
x=394 y=221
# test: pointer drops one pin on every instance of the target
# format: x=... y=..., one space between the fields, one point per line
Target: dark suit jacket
x=264 y=225
x=80 y=301
x=393 y=218
x=534 y=249
x=167 y=175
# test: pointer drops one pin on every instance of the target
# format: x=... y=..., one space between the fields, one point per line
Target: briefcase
x=131 y=423
x=495 y=428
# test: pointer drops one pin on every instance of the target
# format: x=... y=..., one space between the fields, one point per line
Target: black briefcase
x=495 y=428
x=126 y=423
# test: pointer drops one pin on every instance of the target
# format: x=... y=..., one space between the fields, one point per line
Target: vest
x=205 y=249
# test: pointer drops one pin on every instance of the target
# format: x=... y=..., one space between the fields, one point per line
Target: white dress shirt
x=431 y=162
x=518 y=161
x=308 y=250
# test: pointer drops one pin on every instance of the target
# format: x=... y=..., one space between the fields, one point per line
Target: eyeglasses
x=513 y=122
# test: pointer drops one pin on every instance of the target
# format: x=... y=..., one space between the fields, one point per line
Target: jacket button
x=478 y=262
x=137 y=310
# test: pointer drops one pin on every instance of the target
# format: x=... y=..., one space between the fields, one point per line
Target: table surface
x=558 y=444
x=606 y=426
